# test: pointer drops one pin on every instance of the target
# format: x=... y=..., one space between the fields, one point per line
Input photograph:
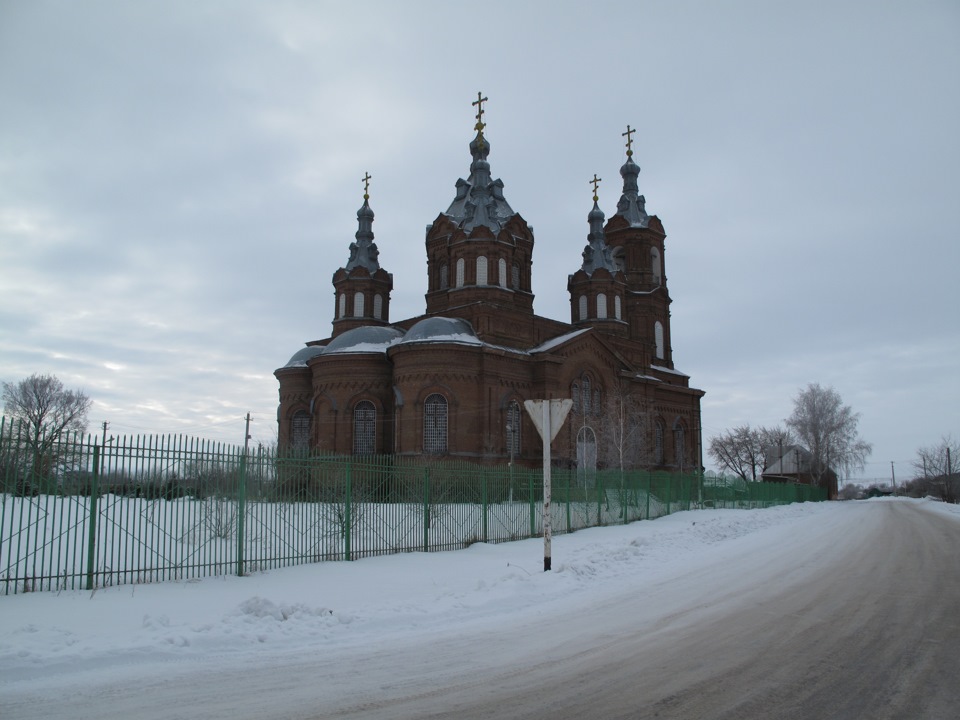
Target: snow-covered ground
x=60 y=642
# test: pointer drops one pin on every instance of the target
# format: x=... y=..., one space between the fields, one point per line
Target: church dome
x=441 y=329
x=366 y=339
x=302 y=356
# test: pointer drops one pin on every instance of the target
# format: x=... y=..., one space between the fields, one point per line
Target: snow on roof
x=668 y=370
x=303 y=355
x=366 y=339
x=559 y=340
x=441 y=329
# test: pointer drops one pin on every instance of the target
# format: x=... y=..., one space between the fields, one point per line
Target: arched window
x=586 y=456
x=481 y=270
x=378 y=306
x=300 y=430
x=656 y=267
x=679 y=444
x=342 y=308
x=658 y=444
x=658 y=338
x=460 y=272
x=364 y=428
x=597 y=402
x=444 y=277
x=601 y=305
x=620 y=259
x=435 y=425
x=575 y=394
x=513 y=429
x=583 y=307
x=358 y=305
x=585 y=384
x=516 y=276
x=617 y=311
x=502 y=272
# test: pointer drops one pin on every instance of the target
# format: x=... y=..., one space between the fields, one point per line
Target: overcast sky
x=179 y=181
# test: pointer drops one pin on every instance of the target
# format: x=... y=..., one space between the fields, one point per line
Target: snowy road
x=840 y=610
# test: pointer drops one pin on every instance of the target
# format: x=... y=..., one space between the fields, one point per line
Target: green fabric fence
x=78 y=512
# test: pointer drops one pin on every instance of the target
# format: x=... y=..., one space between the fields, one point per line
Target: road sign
x=548 y=417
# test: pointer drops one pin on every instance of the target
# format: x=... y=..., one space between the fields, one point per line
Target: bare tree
x=46 y=411
x=828 y=428
x=739 y=451
x=772 y=442
x=624 y=430
x=936 y=467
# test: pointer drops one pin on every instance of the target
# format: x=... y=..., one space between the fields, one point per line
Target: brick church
x=451 y=382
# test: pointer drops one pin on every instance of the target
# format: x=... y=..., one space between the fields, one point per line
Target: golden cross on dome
x=479 y=103
x=595 y=182
x=629 y=136
x=366 y=185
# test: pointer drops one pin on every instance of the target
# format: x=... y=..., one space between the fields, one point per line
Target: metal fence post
x=92 y=519
x=241 y=512
x=533 y=509
x=483 y=475
x=346 y=515
x=426 y=509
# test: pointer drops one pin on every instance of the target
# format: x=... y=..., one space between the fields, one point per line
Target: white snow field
x=816 y=610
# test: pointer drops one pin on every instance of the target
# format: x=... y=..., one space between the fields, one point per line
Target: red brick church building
x=452 y=381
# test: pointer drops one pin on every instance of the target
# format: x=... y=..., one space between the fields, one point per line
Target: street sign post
x=548 y=417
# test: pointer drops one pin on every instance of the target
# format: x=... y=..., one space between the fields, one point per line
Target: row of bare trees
x=821 y=423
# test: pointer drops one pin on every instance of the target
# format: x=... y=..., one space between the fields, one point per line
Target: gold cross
x=479 y=103
x=596 y=181
x=629 y=136
x=366 y=185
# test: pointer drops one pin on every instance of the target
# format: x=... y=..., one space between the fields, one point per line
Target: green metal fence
x=83 y=512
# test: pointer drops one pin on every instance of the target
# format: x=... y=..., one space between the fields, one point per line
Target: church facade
x=451 y=382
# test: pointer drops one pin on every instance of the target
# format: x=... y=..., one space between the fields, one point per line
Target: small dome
x=442 y=329
x=302 y=356
x=367 y=339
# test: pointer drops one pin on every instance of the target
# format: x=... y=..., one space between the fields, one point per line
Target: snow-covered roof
x=302 y=356
x=660 y=368
x=559 y=340
x=366 y=339
x=441 y=329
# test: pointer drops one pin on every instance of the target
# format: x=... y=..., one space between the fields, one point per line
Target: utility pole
x=893 y=476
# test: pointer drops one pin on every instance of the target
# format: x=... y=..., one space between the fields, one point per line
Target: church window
x=586 y=456
x=516 y=276
x=586 y=396
x=358 y=305
x=364 y=428
x=513 y=429
x=502 y=272
x=583 y=307
x=444 y=277
x=481 y=270
x=620 y=259
x=617 y=309
x=300 y=430
x=575 y=394
x=655 y=265
x=658 y=444
x=460 y=272
x=658 y=338
x=435 y=425
x=601 y=306
x=679 y=443
x=342 y=309
x=378 y=306
x=597 y=405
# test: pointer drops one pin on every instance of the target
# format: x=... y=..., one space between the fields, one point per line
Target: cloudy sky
x=180 y=180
